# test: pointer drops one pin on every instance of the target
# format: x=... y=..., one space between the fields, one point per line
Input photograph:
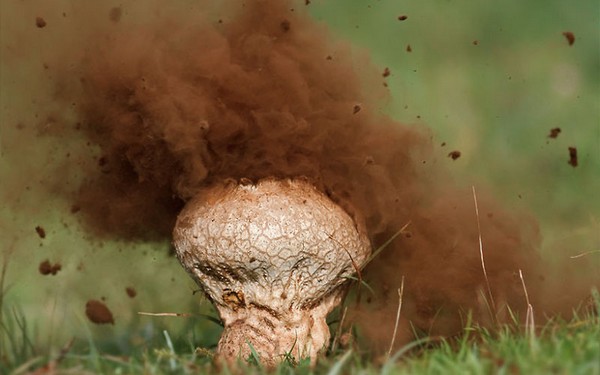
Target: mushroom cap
x=277 y=244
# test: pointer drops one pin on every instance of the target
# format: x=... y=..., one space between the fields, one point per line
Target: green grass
x=558 y=347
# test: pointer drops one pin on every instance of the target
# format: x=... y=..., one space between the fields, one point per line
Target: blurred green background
x=489 y=78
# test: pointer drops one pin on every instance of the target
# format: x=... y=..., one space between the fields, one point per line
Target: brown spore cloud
x=169 y=105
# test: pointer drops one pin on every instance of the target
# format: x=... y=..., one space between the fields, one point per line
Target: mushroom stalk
x=274 y=258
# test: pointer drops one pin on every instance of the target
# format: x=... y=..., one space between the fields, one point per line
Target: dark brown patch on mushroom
x=269 y=323
x=98 y=313
x=269 y=310
x=240 y=274
x=356 y=108
x=554 y=133
x=285 y=26
x=569 y=36
x=234 y=300
x=46 y=268
x=573 y=156
x=40 y=231
x=40 y=22
x=131 y=292
x=211 y=272
x=454 y=154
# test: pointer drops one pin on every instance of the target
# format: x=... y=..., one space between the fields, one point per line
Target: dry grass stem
x=400 y=294
x=165 y=314
x=529 y=319
x=584 y=254
x=487 y=281
x=386 y=243
x=338 y=333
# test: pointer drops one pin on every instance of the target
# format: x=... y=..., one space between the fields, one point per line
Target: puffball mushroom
x=275 y=258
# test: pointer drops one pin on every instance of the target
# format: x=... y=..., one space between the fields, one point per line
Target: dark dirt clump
x=554 y=132
x=569 y=36
x=115 y=14
x=131 y=292
x=40 y=231
x=454 y=154
x=573 y=156
x=98 y=313
x=40 y=22
x=46 y=268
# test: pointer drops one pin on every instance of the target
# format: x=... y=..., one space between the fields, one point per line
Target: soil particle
x=573 y=156
x=443 y=144
x=408 y=48
x=569 y=36
x=114 y=15
x=40 y=231
x=386 y=72
x=98 y=313
x=454 y=155
x=403 y=17
x=554 y=133
x=131 y=292
x=102 y=161
x=475 y=42
x=46 y=268
x=40 y=22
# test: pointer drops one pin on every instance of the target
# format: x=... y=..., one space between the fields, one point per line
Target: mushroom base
x=275 y=335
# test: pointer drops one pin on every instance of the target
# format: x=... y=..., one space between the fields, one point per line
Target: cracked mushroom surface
x=274 y=258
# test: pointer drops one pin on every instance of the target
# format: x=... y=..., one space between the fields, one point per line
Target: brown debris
x=454 y=155
x=98 y=313
x=554 y=132
x=570 y=37
x=402 y=17
x=40 y=231
x=131 y=292
x=40 y=22
x=408 y=48
x=356 y=109
x=46 y=268
x=573 y=156
x=114 y=15
x=386 y=72
x=475 y=42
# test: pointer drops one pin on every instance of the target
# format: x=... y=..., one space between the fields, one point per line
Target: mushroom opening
x=275 y=258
